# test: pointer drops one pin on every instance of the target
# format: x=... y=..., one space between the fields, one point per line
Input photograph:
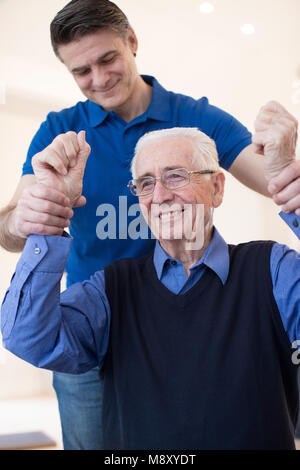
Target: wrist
x=272 y=171
x=9 y=240
x=11 y=228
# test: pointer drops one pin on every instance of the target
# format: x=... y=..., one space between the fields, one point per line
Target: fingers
x=43 y=218
x=292 y=206
x=260 y=138
x=273 y=107
x=275 y=137
x=280 y=137
x=41 y=210
x=85 y=149
x=80 y=202
x=41 y=191
x=39 y=229
x=66 y=145
x=287 y=176
x=27 y=223
x=61 y=154
x=52 y=167
x=274 y=113
x=81 y=139
x=285 y=188
x=47 y=207
x=284 y=197
x=49 y=158
x=264 y=122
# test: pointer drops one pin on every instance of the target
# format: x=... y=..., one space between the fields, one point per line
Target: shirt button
x=296 y=223
x=37 y=251
x=173 y=263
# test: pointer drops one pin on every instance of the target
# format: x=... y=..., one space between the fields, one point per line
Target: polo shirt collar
x=97 y=115
x=216 y=257
x=159 y=108
x=160 y=105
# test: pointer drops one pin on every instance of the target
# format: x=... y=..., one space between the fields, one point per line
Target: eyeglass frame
x=189 y=172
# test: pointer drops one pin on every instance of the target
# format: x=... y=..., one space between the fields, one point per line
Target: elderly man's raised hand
x=275 y=137
x=45 y=208
x=61 y=165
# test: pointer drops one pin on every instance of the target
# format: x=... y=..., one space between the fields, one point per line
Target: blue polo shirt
x=110 y=226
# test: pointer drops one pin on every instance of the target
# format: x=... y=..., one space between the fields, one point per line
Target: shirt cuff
x=293 y=222
x=47 y=253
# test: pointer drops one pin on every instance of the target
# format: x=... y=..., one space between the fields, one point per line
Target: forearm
x=248 y=168
x=48 y=329
x=8 y=241
x=32 y=297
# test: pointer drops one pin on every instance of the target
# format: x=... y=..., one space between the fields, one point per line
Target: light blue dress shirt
x=70 y=333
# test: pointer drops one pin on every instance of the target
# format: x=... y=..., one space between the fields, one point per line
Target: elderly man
x=169 y=329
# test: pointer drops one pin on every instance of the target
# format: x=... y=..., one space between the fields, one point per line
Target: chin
x=108 y=104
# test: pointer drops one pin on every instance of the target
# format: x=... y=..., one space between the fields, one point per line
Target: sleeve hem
x=227 y=162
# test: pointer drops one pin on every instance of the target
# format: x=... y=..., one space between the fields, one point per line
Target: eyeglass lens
x=170 y=179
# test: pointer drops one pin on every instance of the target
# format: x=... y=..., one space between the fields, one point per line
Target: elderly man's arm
x=285 y=272
x=67 y=332
x=42 y=202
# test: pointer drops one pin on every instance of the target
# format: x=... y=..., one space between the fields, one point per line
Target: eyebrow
x=167 y=168
x=99 y=60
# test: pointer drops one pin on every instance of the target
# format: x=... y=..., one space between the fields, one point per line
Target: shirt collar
x=97 y=115
x=216 y=257
x=159 y=108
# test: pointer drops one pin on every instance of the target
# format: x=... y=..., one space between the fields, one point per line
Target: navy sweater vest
x=210 y=369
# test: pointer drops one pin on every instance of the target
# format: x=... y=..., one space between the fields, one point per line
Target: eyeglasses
x=171 y=179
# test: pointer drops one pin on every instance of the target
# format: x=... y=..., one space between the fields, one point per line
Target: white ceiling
x=189 y=52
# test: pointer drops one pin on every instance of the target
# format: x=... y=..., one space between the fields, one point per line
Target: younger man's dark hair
x=82 y=17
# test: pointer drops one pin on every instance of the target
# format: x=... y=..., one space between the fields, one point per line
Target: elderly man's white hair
x=205 y=154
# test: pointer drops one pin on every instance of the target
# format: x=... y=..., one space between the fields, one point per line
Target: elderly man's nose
x=161 y=193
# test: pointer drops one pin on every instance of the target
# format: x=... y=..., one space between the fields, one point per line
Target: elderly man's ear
x=218 y=182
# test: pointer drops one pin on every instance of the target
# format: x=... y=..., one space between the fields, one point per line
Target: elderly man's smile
x=167 y=216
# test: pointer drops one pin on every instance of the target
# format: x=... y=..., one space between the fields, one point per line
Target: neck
x=138 y=101
x=177 y=249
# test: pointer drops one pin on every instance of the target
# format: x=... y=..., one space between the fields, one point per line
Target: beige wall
x=189 y=53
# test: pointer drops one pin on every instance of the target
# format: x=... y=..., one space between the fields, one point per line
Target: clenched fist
x=275 y=137
x=61 y=165
x=45 y=208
